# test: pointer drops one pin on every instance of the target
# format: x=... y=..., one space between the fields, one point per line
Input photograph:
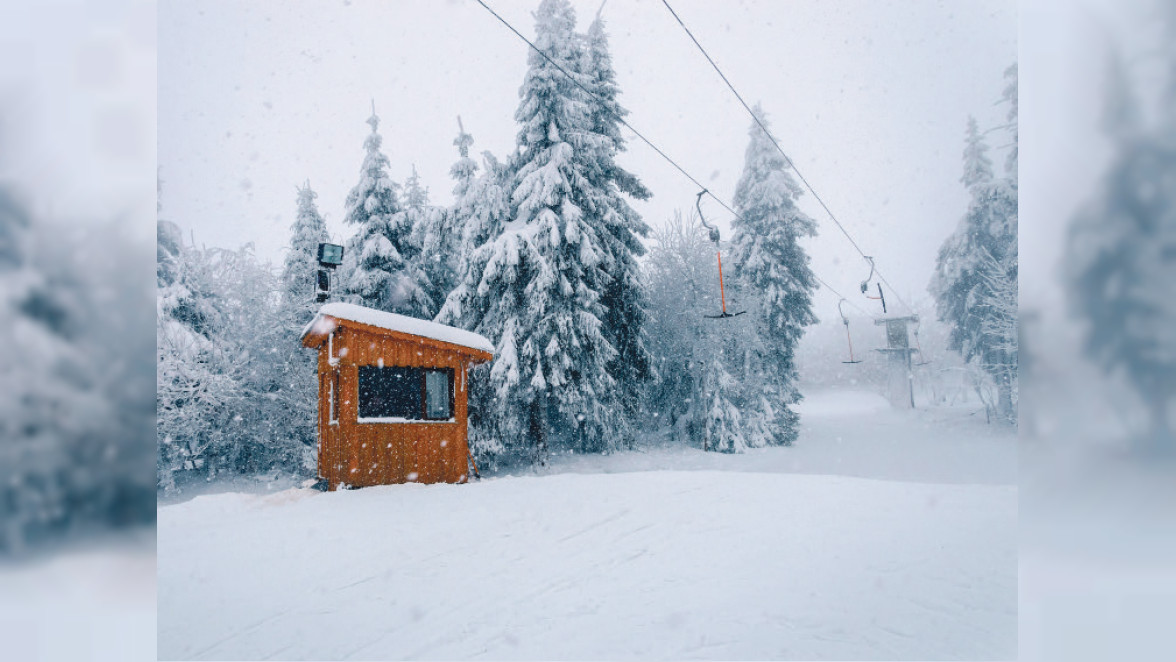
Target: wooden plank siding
x=363 y=454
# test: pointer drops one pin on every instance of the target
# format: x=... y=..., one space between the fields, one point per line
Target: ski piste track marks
x=690 y=564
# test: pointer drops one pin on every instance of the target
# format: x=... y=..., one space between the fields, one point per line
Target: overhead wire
x=641 y=136
x=792 y=165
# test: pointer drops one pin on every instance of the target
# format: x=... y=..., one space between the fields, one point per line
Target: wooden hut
x=392 y=396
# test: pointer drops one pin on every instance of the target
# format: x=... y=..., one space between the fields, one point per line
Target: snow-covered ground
x=881 y=535
x=89 y=603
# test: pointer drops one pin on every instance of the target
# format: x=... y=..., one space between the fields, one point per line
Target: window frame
x=334 y=397
x=422 y=402
x=448 y=372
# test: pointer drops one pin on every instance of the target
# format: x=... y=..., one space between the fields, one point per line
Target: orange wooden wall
x=361 y=454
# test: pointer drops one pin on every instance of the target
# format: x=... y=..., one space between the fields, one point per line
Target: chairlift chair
x=714 y=236
x=848 y=338
x=865 y=287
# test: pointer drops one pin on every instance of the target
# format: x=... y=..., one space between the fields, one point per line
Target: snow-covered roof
x=399 y=323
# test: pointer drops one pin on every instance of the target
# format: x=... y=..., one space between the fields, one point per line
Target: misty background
x=869 y=99
x=1097 y=562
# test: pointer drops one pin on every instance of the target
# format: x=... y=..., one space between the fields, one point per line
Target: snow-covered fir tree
x=624 y=296
x=480 y=211
x=301 y=264
x=465 y=170
x=777 y=283
x=416 y=195
x=723 y=420
x=230 y=396
x=481 y=202
x=699 y=391
x=432 y=235
x=380 y=264
x=1010 y=96
x=467 y=195
x=77 y=385
x=983 y=247
x=1121 y=255
x=289 y=369
x=680 y=277
x=534 y=287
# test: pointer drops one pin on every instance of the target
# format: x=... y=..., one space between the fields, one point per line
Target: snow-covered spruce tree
x=190 y=383
x=286 y=372
x=480 y=213
x=464 y=171
x=76 y=410
x=694 y=392
x=999 y=325
x=416 y=195
x=534 y=287
x=962 y=285
x=224 y=403
x=481 y=203
x=723 y=421
x=380 y=264
x=1009 y=96
x=1121 y=257
x=467 y=197
x=678 y=272
x=301 y=264
x=35 y=450
x=431 y=232
x=772 y=270
x=624 y=296
x=275 y=413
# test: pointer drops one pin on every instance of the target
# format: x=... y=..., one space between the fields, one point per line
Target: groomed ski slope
x=691 y=562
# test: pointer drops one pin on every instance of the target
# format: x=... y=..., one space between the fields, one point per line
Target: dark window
x=390 y=392
x=438 y=394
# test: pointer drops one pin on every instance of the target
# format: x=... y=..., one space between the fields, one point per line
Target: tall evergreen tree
x=694 y=392
x=301 y=264
x=722 y=419
x=481 y=211
x=464 y=174
x=432 y=233
x=982 y=248
x=381 y=269
x=465 y=169
x=774 y=271
x=624 y=295
x=1010 y=96
x=416 y=195
x=534 y=286
x=1121 y=256
x=76 y=382
x=286 y=373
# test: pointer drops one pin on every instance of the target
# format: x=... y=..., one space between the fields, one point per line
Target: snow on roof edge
x=402 y=324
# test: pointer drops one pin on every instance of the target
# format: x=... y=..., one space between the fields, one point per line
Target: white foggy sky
x=869 y=99
x=77 y=109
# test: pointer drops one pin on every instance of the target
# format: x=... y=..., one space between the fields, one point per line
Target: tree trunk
x=1004 y=404
x=538 y=425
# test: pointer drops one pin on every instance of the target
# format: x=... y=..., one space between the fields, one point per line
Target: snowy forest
x=596 y=313
x=656 y=481
x=76 y=410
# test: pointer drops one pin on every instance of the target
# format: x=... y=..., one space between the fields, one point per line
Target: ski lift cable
x=792 y=165
x=640 y=135
x=593 y=94
x=839 y=296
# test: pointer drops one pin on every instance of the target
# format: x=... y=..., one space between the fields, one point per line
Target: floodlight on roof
x=330 y=255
